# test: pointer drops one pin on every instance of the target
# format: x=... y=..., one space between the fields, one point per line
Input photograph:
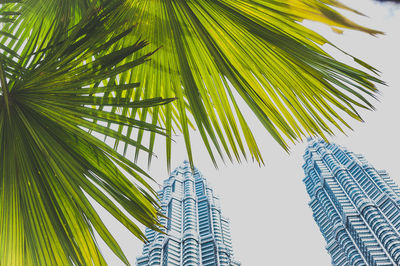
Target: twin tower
x=356 y=207
x=197 y=233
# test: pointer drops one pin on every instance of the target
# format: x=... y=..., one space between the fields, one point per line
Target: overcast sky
x=271 y=223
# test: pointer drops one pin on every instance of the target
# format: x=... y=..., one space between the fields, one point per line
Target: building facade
x=196 y=232
x=356 y=207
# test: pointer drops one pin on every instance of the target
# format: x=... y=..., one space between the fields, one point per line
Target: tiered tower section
x=196 y=232
x=356 y=207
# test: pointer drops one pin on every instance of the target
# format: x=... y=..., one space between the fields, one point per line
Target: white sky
x=271 y=223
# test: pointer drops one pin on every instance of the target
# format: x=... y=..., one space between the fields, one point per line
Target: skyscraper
x=356 y=207
x=197 y=233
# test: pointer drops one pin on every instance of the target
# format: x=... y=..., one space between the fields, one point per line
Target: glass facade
x=356 y=207
x=197 y=233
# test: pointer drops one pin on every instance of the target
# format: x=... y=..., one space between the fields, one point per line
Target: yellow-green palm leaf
x=56 y=98
x=214 y=51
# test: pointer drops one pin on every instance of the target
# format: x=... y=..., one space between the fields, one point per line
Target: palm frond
x=259 y=49
x=213 y=52
x=58 y=94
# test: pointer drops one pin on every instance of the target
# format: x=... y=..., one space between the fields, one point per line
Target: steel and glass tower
x=356 y=207
x=197 y=233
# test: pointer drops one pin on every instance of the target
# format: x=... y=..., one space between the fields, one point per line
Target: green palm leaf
x=213 y=52
x=58 y=94
x=274 y=64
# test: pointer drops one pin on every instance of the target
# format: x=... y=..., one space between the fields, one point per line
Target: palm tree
x=70 y=76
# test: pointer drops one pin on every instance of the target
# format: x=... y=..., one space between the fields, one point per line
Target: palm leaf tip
x=50 y=164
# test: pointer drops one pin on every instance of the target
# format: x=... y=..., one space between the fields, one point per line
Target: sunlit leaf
x=213 y=52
